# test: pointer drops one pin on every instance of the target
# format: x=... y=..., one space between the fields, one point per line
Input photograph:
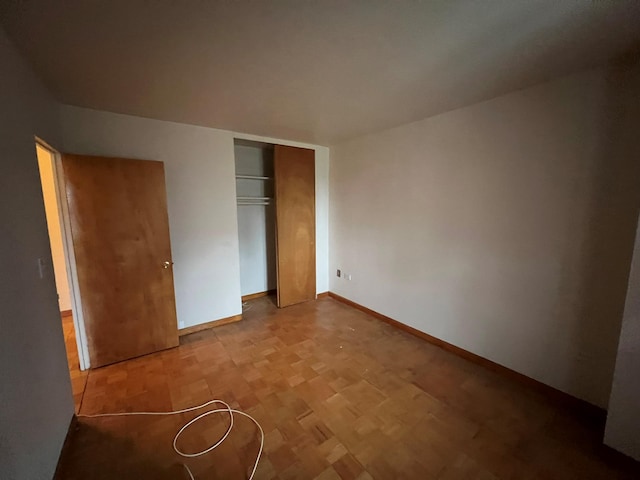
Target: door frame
x=69 y=256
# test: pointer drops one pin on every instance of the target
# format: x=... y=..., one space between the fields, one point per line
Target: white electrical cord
x=228 y=410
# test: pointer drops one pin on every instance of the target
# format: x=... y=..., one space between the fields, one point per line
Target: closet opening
x=255 y=191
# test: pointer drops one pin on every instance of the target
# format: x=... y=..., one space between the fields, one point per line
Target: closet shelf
x=252 y=177
x=244 y=201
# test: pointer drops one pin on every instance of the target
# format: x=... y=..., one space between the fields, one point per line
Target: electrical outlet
x=349 y=277
x=338 y=273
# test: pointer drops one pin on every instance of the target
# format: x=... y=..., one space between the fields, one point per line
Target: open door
x=294 y=175
x=120 y=232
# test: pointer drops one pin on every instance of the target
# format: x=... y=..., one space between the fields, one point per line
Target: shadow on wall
x=610 y=228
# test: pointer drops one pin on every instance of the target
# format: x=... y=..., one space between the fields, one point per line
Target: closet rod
x=253 y=203
x=254 y=198
x=253 y=177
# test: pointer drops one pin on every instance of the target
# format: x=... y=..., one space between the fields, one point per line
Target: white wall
x=623 y=419
x=201 y=200
x=45 y=166
x=201 y=194
x=504 y=228
x=36 y=404
x=256 y=223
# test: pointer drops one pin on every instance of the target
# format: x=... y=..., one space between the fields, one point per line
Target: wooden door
x=120 y=231
x=294 y=175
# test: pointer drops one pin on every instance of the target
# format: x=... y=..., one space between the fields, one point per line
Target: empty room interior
x=359 y=239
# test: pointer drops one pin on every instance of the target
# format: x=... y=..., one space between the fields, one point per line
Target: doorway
x=63 y=268
x=109 y=227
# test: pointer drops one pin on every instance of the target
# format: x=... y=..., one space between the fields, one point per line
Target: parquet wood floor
x=78 y=377
x=339 y=395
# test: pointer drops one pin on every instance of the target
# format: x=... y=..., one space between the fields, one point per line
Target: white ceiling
x=318 y=71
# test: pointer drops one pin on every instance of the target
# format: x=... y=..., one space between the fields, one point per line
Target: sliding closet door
x=294 y=175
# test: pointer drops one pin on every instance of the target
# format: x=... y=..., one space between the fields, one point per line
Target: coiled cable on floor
x=228 y=410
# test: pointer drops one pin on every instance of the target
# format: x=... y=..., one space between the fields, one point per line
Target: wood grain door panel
x=120 y=232
x=294 y=175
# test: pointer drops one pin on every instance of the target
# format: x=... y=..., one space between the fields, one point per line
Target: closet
x=275 y=189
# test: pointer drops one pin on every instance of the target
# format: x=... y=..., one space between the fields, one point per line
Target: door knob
x=167 y=264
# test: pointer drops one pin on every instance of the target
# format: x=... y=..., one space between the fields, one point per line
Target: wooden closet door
x=120 y=232
x=294 y=175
